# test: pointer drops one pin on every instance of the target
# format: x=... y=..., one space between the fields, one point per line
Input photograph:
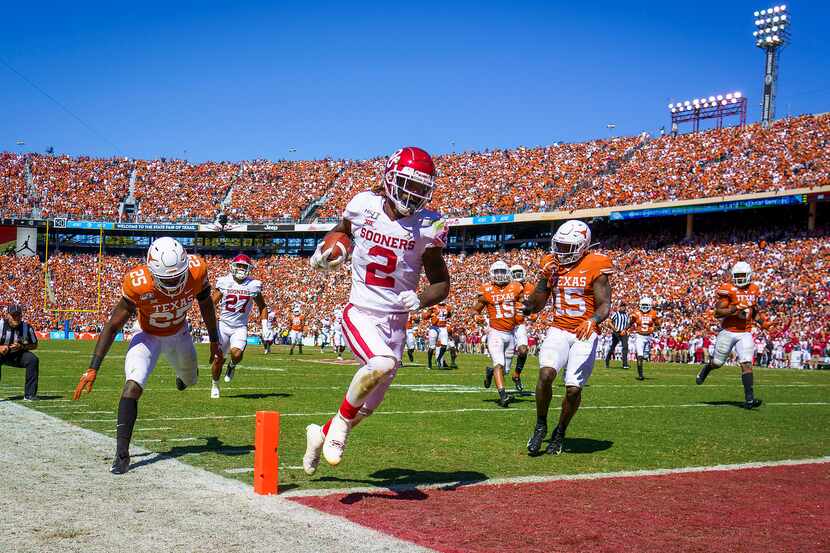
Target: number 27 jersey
x=237 y=299
x=387 y=255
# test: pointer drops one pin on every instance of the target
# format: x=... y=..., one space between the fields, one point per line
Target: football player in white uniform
x=339 y=340
x=325 y=333
x=233 y=294
x=268 y=331
x=393 y=238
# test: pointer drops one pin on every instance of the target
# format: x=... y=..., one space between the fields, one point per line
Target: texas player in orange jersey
x=579 y=281
x=438 y=316
x=643 y=324
x=162 y=292
x=500 y=297
x=520 y=331
x=295 y=336
x=737 y=308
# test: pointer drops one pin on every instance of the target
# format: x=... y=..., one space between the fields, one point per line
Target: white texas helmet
x=646 y=304
x=518 y=273
x=500 y=273
x=168 y=263
x=741 y=274
x=570 y=242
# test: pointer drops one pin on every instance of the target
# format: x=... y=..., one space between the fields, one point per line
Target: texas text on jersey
x=158 y=313
x=237 y=299
x=644 y=323
x=574 y=287
x=748 y=296
x=501 y=304
x=387 y=254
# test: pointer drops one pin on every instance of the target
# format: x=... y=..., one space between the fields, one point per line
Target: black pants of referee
x=617 y=338
x=28 y=361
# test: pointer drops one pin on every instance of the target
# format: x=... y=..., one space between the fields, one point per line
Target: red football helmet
x=241 y=267
x=409 y=179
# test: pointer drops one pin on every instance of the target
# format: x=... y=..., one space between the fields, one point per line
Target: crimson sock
x=347 y=410
x=326 y=427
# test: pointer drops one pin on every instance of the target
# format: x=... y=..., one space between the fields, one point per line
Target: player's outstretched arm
x=537 y=300
x=438 y=276
x=121 y=313
x=208 y=310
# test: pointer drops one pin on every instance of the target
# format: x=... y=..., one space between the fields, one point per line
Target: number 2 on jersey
x=372 y=269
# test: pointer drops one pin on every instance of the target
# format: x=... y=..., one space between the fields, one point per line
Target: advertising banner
x=794 y=199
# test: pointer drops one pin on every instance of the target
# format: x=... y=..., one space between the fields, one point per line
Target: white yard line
x=469 y=410
x=558 y=477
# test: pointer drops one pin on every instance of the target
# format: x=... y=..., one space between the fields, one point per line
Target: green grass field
x=437 y=426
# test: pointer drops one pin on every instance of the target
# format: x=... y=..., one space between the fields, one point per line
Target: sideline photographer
x=17 y=341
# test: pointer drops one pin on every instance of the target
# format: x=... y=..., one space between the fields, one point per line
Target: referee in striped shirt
x=620 y=322
x=17 y=340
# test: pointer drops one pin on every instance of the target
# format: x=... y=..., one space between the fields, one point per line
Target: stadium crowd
x=791 y=153
x=792 y=268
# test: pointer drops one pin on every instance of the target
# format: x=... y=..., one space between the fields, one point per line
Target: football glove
x=86 y=382
x=409 y=300
x=584 y=330
x=320 y=259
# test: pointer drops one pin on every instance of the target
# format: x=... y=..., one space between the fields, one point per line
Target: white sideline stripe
x=463 y=410
x=563 y=477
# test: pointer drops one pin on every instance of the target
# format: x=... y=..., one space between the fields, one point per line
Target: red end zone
x=782 y=508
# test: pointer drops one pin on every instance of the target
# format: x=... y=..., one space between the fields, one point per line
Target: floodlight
x=763 y=12
x=720 y=97
x=738 y=95
x=686 y=103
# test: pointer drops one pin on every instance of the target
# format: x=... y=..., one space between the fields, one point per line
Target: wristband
x=96 y=362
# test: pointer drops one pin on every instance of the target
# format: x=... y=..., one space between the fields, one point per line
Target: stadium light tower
x=771 y=33
x=708 y=107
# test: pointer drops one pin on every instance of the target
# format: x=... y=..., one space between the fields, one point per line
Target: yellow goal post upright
x=47 y=286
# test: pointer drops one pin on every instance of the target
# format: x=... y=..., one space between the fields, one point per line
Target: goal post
x=50 y=300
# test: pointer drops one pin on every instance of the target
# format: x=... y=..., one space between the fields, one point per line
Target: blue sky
x=239 y=80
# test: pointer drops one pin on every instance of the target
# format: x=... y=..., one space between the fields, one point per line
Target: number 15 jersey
x=573 y=286
x=387 y=254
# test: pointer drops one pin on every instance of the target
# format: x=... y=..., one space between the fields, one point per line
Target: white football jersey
x=326 y=324
x=338 y=318
x=387 y=254
x=237 y=299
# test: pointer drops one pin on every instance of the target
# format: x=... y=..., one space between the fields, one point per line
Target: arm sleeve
x=128 y=291
x=438 y=232
x=354 y=208
x=32 y=335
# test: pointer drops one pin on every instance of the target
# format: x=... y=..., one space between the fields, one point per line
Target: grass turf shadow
x=402 y=484
x=739 y=404
x=213 y=445
x=260 y=396
x=39 y=398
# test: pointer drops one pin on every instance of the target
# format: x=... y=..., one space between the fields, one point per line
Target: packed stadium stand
x=791 y=266
x=791 y=153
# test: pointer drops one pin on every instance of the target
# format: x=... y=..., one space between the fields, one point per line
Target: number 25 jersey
x=158 y=313
x=387 y=254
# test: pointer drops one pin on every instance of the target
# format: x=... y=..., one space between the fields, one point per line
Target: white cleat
x=339 y=357
x=336 y=439
x=313 y=446
x=214 y=391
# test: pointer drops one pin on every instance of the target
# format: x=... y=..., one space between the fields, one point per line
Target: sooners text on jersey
x=237 y=299
x=574 y=288
x=748 y=295
x=387 y=254
x=158 y=313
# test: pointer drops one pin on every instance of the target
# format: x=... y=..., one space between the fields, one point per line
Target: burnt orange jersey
x=645 y=323
x=748 y=295
x=440 y=315
x=501 y=303
x=574 y=287
x=412 y=322
x=297 y=323
x=158 y=313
